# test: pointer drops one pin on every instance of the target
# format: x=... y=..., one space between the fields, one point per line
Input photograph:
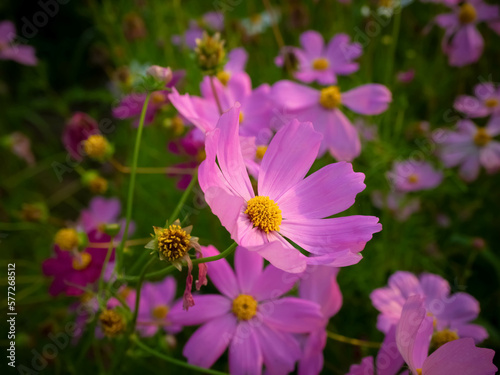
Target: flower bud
x=159 y=73
x=210 y=52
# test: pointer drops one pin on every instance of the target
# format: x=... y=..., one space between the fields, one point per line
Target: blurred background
x=89 y=54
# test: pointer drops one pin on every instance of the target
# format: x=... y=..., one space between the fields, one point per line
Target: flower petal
x=245 y=355
x=290 y=96
x=312 y=42
x=319 y=284
x=221 y=273
x=371 y=99
x=248 y=268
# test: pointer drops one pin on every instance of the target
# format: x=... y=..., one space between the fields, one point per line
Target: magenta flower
x=251 y=317
x=322 y=108
x=79 y=127
x=154 y=306
x=462 y=41
x=287 y=204
x=9 y=50
x=131 y=105
x=318 y=284
x=74 y=271
x=203 y=111
x=460 y=356
x=317 y=62
x=485 y=102
x=411 y=175
x=471 y=147
x=450 y=312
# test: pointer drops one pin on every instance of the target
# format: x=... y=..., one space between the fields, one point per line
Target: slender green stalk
x=177 y=210
x=173 y=360
x=392 y=51
x=130 y=198
x=348 y=340
x=138 y=293
x=105 y=264
x=169 y=269
x=215 y=94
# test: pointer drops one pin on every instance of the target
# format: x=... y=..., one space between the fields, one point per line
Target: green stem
x=138 y=293
x=130 y=198
x=215 y=94
x=106 y=261
x=167 y=270
x=356 y=342
x=183 y=199
x=173 y=360
x=392 y=52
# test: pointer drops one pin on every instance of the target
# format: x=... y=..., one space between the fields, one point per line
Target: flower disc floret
x=442 y=337
x=264 y=213
x=82 y=261
x=330 y=97
x=320 y=64
x=160 y=312
x=96 y=146
x=66 y=238
x=244 y=307
x=467 y=13
x=112 y=323
x=174 y=242
x=482 y=137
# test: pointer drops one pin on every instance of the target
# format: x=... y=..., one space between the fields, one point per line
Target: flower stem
x=392 y=51
x=130 y=198
x=215 y=94
x=138 y=292
x=105 y=264
x=167 y=270
x=177 y=209
x=348 y=340
x=151 y=170
x=173 y=360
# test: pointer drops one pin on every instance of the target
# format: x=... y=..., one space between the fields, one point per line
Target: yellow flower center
x=86 y=297
x=413 y=178
x=385 y=3
x=112 y=323
x=419 y=371
x=177 y=125
x=244 y=307
x=261 y=150
x=66 y=238
x=482 y=138
x=264 y=213
x=98 y=185
x=330 y=97
x=241 y=118
x=173 y=242
x=442 y=337
x=157 y=97
x=320 y=64
x=81 y=261
x=96 y=146
x=125 y=292
x=223 y=77
x=491 y=102
x=467 y=13
x=160 y=312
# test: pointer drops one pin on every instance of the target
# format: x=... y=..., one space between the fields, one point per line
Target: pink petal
x=326 y=192
x=206 y=308
x=389 y=360
x=237 y=60
x=288 y=158
x=341 y=52
x=460 y=357
x=273 y=283
x=319 y=284
x=364 y=368
x=209 y=341
x=312 y=42
x=341 y=138
x=466 y=46
x=291 y=96
x=7 y=31
x=245 y=355
x=474 y=331
x=248 y=268
x=281 y=254
x=471 y=106
x=221 y=273
x=312 y=359
x=371 y=99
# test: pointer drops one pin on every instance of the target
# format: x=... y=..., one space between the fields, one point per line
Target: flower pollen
x=264 y=213
x=491 y=102
x=223 y=77
x=81 y=261
x=95 y=146
x=160 y=312
x=442 y=337
x=66 y=238
x=467 y=13
x=330 y=97
x=482 y=137
x=112 y=323
x=241 y=118
x=158 y=97
x=174 y=242
x=320 y=64
x=259 y=153
x=413 y=178
x=244 y=307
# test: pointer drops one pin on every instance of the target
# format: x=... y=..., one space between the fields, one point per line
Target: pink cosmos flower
x=450 y=312
x=485 y=102
x=287 y=205
x=471 y=147
x=203 y=111
x=131 y=105
x=317 y=62
x=11 y=51
x=411 y=175
x=318 y=284
x=406 y=76
x=462 y=41
x=154 y=306
x=460 y=356
x=73 y=271
x=322 y=108
x=236 y=61
x=399 y=205
x=79 y=127
x=251 y=317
